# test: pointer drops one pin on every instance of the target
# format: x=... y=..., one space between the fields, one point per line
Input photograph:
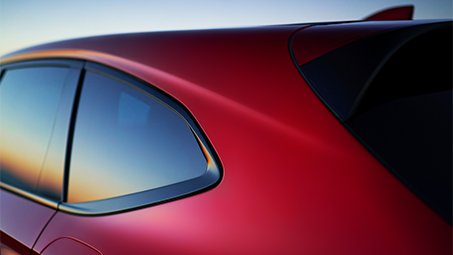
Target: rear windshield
x=406 y=117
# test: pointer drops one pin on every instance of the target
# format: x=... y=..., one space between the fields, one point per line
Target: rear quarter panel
x=295 y=180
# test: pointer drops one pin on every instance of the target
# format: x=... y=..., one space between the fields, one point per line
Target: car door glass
x=126 y=141
x=29 y=99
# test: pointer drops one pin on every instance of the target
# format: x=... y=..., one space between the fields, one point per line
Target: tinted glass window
x=406 y=117
x=126 y=141
x=29 y=99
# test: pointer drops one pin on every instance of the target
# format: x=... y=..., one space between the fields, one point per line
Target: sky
x=25 y=23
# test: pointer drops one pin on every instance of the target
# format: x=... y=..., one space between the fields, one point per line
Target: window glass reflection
x=29 y=99
x=127 y=142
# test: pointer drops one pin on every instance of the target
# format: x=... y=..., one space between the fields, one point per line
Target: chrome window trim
x=28 y=195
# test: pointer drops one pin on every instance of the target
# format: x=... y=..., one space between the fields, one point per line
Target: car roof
x=249 y=67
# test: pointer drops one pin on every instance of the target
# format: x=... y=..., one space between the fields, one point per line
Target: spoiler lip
x=405 y=12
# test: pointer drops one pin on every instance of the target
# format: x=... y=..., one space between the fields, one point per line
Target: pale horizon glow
x=27 y=23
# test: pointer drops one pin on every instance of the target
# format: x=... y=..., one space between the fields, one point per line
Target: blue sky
x=25 y=23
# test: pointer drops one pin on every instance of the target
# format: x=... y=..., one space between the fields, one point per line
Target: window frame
x=74 y=66
x=210 y=179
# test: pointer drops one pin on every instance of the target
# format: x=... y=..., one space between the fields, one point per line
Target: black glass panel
x=405 y=117
x=413 y=136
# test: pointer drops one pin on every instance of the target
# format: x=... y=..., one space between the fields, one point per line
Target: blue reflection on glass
x=132 y=111
x=125 y=142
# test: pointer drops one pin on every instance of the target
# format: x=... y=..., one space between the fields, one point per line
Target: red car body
x=294 y=179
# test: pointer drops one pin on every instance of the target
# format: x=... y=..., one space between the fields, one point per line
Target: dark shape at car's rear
x=393 y=91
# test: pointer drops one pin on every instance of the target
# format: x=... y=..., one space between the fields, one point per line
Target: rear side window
x=29 y=100
x=127 y=141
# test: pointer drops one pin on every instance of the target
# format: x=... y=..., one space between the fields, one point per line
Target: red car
x=323 y=138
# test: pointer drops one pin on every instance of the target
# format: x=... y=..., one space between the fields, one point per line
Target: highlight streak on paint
x=164 y=79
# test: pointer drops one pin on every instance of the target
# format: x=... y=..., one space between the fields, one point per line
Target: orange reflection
x=7 y=251
x=29 y=104
x=24 y=160
x=20 y=159
x=206 y=153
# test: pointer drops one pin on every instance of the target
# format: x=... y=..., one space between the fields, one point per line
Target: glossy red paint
x=180 y=53
x=21 y=221
x=69 y=245
x=295 y=180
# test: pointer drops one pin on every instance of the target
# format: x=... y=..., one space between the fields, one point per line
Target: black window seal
x=69 y=140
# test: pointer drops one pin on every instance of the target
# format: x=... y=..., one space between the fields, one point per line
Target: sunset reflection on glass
x=29 y=99
x=127 y=142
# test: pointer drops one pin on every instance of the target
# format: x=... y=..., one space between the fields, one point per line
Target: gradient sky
x=25 y=23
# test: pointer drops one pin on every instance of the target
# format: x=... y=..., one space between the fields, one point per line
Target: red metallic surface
x=21 y=221
x=69 y=245
x=398 y=13
x=295 y=180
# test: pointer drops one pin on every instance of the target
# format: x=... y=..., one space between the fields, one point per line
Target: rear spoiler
x=394 y=13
